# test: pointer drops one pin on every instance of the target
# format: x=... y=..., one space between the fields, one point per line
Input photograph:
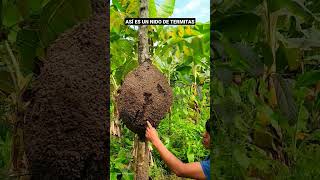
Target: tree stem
x=142 y=159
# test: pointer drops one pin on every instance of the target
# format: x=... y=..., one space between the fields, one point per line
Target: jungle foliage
x=266 y=89
x=182 y=54
x=27 y=28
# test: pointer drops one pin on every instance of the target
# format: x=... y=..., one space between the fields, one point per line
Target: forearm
x=171 y=160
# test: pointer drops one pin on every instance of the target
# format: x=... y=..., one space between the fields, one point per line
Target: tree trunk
x=143 y=47
x=141 y=166
x=142 y=156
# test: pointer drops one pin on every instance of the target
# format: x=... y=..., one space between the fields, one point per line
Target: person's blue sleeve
x=206 y=168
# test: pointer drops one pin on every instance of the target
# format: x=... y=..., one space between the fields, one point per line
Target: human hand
x=151 y=133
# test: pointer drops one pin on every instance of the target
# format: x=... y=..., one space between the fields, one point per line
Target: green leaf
x=27 y=7
x=58 y=16
x=113 y=176
x=226 y=110
x=11 y=15
x=235 y=94
x=117 y=4
x=308 y=79
x=288 y=56
x=6 y=84
x=241 y=158
x=199 y=43
x=224 y=73
x=281 y=57
x=293 y=58
x=220 y=88
x=303 y=118
x=5 y=129
x=128 y=176
x=184 y=69
x=166 y=9
x=27 y=43
x=152 y=9
x=266 y=54
x=285 y=99
x=190 y=157
x=123 y=70
x=251 y=58
x=237 y=59
x=238 y=26
x=292 y=6
x=302 y=43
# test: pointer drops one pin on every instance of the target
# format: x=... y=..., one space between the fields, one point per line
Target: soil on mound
x=66 y=124
x=144 y=96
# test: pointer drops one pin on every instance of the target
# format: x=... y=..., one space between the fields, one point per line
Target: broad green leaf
x=263 y=139
x=241 y=157
x=5 y=129
x=190 y=157
x=235 y=94
x=184 y=69
x=302 y=43
x=285 y=99
x=281 y=58
x=166 y=9
x=224 y=73
x=27 y=43
x=226 y=110
x=314 y=6
x=113 y=176
x=132 y=9
x=238 y=26
x=128 y=176
x=293 y=6
x=293 y=58
x=220 y=88
x=249 y=86
x=117 y=5
x=237 y=59
x=123 y=70
x=288 y=57
x=27 y=7
x=251 y=58
x=263 y=115
x=58 y=16
x=116 y=20
x=302 y=119
x=11 y=15
x=315 y=135
x=6 y=84
x=152 y=9
x=199 y=43
x=308 y=79
x=266 y=51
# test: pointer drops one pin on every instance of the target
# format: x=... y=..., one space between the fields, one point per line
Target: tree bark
x=141 y=159
x=143 y=45
x=142 y=156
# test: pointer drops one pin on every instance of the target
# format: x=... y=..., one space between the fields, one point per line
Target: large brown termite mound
x=145 y=95
x=66 y=123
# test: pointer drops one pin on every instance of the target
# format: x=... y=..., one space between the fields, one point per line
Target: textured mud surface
x=66 y=125
x=144 y=96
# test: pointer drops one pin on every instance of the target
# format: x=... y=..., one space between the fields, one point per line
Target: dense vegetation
x=27 y=28
x=266 y=89
x=182 y=55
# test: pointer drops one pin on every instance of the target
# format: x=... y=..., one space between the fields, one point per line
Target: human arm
x=189 y=170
